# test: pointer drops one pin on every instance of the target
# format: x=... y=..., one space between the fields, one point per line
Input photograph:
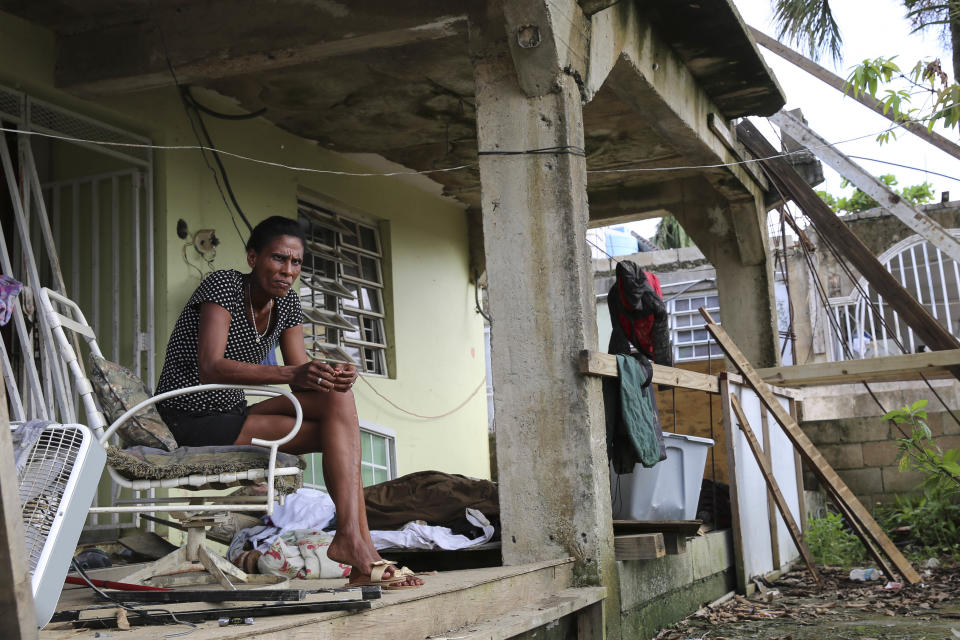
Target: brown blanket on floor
x=436 y=497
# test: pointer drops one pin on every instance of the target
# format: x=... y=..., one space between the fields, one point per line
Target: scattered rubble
x=792 y=608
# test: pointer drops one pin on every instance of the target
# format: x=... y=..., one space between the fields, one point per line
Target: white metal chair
x=188 y=564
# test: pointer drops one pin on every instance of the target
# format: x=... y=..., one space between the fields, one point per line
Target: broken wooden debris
x=244 y=595
x=764 y=464
x=907 y=213
x=868 y=529
x=101 y=618
x=639 y=546
x=828 y=225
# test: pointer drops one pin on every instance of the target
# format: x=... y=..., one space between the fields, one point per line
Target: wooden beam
x=771 y=499
x=639 y=546
x=763 y=462
x=97 y=74
x=788 y=181
x=839 y=84
x=596 y=363
x=932 y=364
x=730 y=440
x=19 y=619
x=909 y=215
x=810 y=453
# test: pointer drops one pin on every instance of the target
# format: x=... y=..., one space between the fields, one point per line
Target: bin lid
x=706 y=441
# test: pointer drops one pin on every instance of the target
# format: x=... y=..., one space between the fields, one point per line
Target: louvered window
x=341 y=288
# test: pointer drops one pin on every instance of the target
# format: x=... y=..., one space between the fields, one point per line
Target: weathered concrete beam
x=546 y=38
x=554 y=500
x=88 y=62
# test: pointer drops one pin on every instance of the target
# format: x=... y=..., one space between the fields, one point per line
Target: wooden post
x=731 y=442
x=771 y=498
x=18 y=620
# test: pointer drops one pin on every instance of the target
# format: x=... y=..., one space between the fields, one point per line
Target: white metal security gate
x=931 y=276
x=59 y=239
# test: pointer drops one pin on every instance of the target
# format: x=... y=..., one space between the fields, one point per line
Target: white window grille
x=930 y=276
x=341 y=288
x=378 y=462
x=688 y=332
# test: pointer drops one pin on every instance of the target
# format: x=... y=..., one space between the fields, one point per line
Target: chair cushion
x=149 y=463
x=118 y=389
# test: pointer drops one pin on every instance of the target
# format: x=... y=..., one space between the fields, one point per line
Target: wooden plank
x=908 y=214
x=861 y=533
x=932 y=364
x=771 y=506
x=685 y=527
x=798 y=465
x=788 y=181
x=739 y=564
x=639 y=546
x=675 y=543
x=865 y=99
x=590 y=623
x=810 y=454
x=763 y=461
x=596 y=363
x=550 y=609
x=19 y=619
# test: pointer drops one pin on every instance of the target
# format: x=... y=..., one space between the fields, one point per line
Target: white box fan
x=56 y=486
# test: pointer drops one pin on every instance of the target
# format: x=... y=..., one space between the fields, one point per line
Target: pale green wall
x=439 y=337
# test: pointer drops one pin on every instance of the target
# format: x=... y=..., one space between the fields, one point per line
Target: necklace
x=253 y=317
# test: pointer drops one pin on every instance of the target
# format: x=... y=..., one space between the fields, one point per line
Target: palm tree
x=810 y=25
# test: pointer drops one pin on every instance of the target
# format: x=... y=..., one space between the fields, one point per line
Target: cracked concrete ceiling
x=374 y=76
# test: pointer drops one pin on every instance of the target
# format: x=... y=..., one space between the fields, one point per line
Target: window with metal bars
x=378 y=462
x=341 y=289
x=691 y=340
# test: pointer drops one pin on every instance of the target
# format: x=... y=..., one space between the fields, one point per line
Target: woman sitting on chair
x=228 y=327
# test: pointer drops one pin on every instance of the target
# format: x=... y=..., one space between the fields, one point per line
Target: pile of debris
x=793 y=607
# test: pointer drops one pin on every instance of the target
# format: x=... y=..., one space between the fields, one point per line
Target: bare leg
x=330 y=425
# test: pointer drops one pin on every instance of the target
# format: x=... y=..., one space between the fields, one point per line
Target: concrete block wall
x=863 y=451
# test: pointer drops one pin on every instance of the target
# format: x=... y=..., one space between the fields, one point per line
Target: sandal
x=378 y=568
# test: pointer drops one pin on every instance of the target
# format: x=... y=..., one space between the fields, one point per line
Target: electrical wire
x=188 y=97
x=483 y=381
x=137 y=610
x=224 y=116
x=904 y=166
x=193 y=127
x=386 y=174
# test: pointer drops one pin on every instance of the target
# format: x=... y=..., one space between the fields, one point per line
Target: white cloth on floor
x=312 y=509
x=303 y=509
x=424 y=536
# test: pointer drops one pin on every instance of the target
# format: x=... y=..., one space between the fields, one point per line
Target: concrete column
x=745 y=285
x=554 y=483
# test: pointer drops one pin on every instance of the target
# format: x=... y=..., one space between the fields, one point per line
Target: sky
x=879 y=30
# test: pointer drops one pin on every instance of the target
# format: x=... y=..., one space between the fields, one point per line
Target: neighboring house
x=397 y=300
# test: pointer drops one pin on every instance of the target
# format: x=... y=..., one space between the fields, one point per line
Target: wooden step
x=448 y=600
x=586 y=601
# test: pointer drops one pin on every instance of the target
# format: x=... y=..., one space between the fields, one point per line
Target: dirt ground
x=794 y=609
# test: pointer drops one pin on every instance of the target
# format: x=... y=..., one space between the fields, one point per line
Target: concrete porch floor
x=497 y=602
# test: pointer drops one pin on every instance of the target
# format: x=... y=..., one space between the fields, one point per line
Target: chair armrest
x=251 y=389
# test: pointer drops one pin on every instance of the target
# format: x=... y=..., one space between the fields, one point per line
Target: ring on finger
x=319 y=380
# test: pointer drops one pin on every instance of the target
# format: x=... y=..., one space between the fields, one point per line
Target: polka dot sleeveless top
x=226 y=288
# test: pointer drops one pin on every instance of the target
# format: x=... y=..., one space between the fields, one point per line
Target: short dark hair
x=273 y=227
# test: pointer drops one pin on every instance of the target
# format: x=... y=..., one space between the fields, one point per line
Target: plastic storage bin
x=670 y=490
